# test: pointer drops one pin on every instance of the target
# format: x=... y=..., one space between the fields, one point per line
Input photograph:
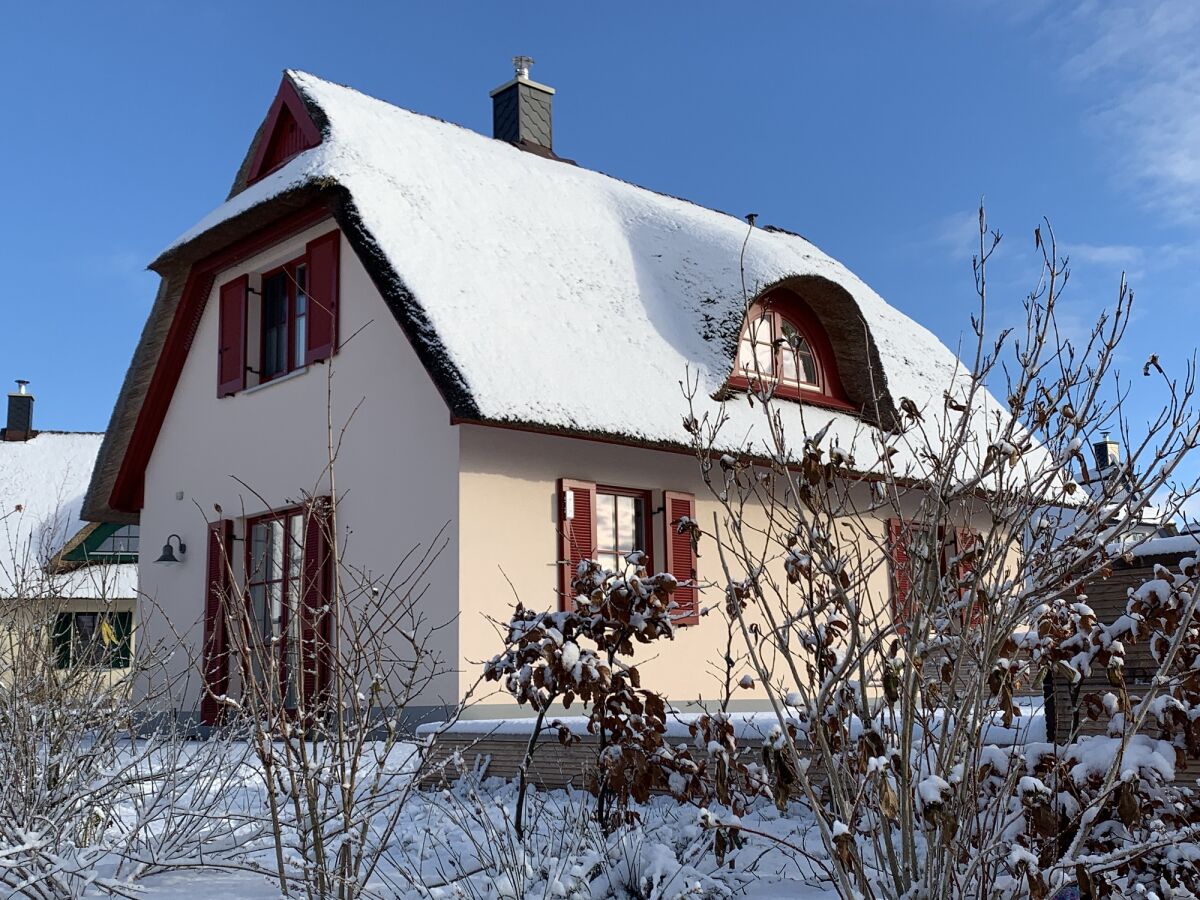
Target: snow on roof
x=42 y=484
x=569 y=299
x=1179 y=544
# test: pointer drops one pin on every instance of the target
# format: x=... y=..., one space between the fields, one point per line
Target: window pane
x=761 y=337
x=276 y=552
x=258 y=607
x=606 y=522
x=626 y=525
x=300 y=332
x=274 y=318
x=258 y=551
x=799 y=364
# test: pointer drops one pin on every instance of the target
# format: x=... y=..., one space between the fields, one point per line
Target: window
x=276 y=548
x=920 y=557
x=122 y=542
x=284 y=319
x=608 y=523
x=620 y=527
x=96 y=640
x=105 y=543
x=783 y=345
x=773 y=347
x=279 y=321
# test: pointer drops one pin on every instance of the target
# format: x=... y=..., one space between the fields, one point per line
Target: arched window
x=783 y=344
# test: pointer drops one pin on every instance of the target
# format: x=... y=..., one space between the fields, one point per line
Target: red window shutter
x=231 y=337
x=322 y=259
x=315 y=612
x=901 y=573
x=964 y=543
x=576 y=531
x=681 y=555
x=216 y=644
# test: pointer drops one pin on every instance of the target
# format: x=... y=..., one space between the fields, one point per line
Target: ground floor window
x=275 y=569
x=98 y=640
x=621 y=516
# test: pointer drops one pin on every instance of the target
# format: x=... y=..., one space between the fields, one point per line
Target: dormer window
x=783 y=346
x=774 y=347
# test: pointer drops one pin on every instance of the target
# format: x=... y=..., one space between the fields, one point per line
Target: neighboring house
x=1108 y=598
x=510 y=332
x=80 y=577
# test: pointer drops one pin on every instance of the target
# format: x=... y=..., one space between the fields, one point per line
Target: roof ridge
x=769 y=228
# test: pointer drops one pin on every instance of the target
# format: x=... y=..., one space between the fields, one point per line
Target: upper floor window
x=776 y=348
x=279 y=320
x=783 y=345
x=284 y=319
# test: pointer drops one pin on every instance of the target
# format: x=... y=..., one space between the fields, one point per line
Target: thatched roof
x=524 y=284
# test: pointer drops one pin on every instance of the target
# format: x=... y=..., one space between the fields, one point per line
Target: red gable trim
x=289 y=130
x=128 y=486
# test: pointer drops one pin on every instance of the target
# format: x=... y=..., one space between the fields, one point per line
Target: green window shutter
x=122 y=626
x=62 y=640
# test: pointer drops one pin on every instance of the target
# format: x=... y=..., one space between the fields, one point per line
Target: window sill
x=295 y=373
x=788 y=392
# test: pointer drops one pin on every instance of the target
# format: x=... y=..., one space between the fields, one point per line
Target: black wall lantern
x=168 y=554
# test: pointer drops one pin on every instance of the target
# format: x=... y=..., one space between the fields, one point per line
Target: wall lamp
x=168 y=554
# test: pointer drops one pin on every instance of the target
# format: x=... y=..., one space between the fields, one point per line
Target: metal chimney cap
x=21 y=383
x=522 y=65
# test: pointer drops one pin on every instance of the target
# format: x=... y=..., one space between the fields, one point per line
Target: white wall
x=397 y=473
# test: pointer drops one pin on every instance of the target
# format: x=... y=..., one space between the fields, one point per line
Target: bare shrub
x=898 y=721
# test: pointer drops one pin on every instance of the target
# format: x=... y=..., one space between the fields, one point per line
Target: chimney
x=20 y=414
x=1107 y=452
x=521 y=111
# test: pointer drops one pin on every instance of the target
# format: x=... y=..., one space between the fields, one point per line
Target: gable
x=287 y=131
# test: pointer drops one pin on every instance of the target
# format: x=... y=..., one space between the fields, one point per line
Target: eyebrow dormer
x=783 y=346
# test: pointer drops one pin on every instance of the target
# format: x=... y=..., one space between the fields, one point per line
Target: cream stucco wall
x=509 y=543
x=265 y=448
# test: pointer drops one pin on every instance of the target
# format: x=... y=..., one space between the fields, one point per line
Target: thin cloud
x=1124 y=255
x=1144 y=59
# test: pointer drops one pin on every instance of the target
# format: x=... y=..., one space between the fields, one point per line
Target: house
x=79 y=577
x=498 y=338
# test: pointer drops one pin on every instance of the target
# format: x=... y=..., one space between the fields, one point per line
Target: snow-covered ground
x=459 y=842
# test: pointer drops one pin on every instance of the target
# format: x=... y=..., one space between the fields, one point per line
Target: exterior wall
x=509 y=534
x=19 y=616
x=266 y=447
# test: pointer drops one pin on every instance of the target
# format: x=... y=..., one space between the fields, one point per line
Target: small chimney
x=1107 y=452
x=20 y=414
x=521 y=111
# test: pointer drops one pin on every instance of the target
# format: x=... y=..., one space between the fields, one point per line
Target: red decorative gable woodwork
x=287 y=132
x=127 y=487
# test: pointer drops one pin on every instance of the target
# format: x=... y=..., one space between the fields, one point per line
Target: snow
x=643 y=287
x=1168 y=546
x=745 y=725
x=42 y=483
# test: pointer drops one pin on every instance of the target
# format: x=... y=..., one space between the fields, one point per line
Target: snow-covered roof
x=557 y=297
x=42 y=485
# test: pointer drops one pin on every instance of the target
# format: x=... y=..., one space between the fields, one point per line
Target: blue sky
x=872 y=128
